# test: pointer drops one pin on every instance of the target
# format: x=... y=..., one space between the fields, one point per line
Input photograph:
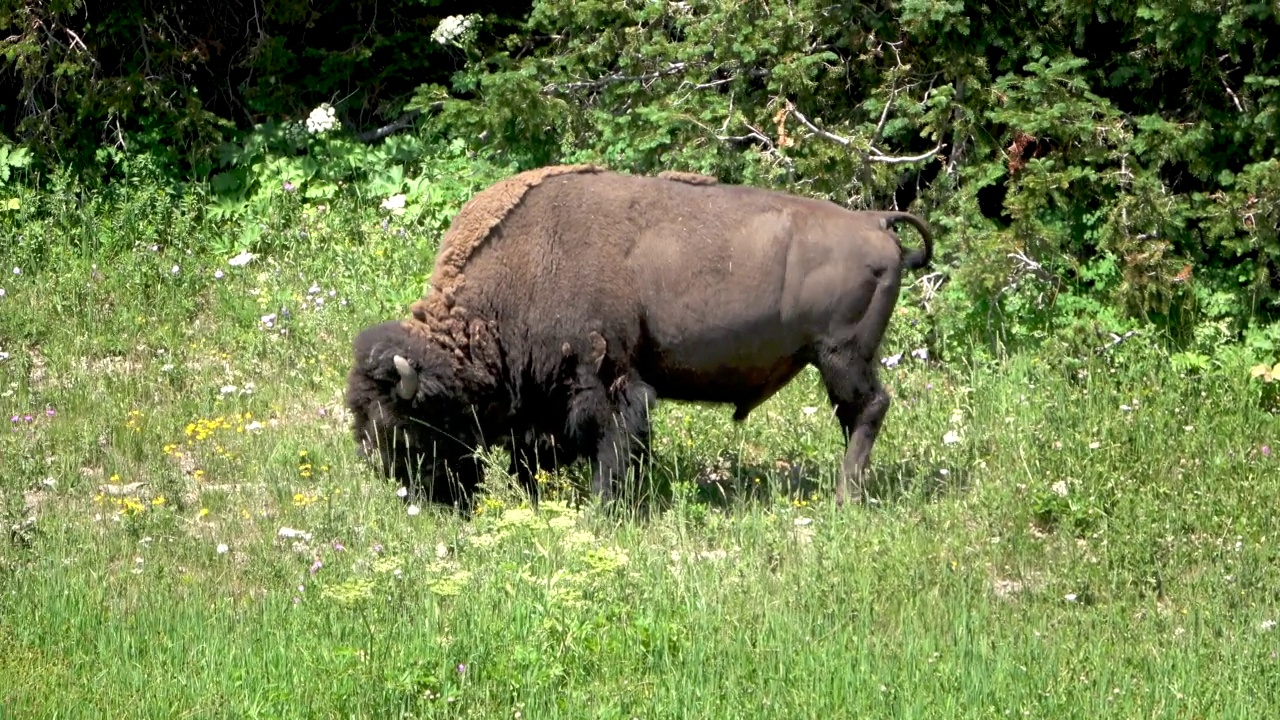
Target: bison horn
x=408 y=385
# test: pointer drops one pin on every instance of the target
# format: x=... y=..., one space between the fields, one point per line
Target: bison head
x=409 y=412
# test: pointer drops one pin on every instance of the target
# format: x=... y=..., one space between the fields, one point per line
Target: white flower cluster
x=322 y=120
x=454 y=29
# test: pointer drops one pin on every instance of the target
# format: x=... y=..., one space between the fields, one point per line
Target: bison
x=566 y=301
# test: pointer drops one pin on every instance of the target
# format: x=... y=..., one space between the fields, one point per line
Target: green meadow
x=187 y=531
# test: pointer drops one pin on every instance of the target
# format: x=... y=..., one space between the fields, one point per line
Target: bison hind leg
x=861 y=404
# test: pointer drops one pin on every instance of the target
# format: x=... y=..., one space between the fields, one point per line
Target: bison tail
x=920 y=257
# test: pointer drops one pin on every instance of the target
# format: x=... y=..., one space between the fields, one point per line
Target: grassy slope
x=976 y=590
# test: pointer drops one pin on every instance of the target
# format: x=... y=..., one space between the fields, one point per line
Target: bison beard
x=566 y=300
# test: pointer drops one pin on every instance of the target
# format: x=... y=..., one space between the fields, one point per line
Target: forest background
x=1090 y=167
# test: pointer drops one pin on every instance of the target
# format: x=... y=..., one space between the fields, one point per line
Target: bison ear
x=407 y=388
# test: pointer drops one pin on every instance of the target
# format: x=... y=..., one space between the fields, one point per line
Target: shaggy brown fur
x=687 y=177
x=589 y=294
x=473 y=225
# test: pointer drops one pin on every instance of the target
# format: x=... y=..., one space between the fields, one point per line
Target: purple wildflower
x=462 y=668
x=27 y=418
x=377 y=548
x=50 y=412
x=288 y=186
x=1266 y=451
x=315 y=566
x=338 y=546
x=15 y=418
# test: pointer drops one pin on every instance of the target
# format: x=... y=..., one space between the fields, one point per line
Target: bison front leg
x=861 y=403
x=523 y=466
x=614 y=422
x=528 y=457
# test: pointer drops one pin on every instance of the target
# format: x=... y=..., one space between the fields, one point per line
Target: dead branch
x=399 y=123
x=671 y=69
x=768 y=147
x=875 y=154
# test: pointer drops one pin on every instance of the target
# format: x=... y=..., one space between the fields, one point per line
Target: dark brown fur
x=598 y=293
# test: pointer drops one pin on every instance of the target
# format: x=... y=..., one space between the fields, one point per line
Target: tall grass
x=193 y=536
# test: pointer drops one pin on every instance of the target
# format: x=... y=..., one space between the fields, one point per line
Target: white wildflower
x=1069 y=597
x=254 y=426
x=322 y=119
x=222 y=548
x=1267 y=625
x=176 y=270
x=1059 y=488
x=227 y=389
x=242 y=259
x=395 y=204
x=454 y=29
x=951 y=438
x=413 y=510
x=291 y=533
x=402 y=491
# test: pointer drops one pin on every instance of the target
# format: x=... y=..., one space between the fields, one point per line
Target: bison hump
x=481 y=214
x=687 y=177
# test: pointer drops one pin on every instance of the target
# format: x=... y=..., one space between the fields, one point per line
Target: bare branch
x=671 y=69
x=1115 y=340
x=769 y=149
x=1232 y=95
x=843 y=141
x=876 y=155
x=900 y=159
x=1222 y=76
x=884 y=116
x=929 y=286
x=75 y=40
x=399 y=123
x=713 y=83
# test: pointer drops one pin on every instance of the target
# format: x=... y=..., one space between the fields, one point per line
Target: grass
x=193 y=535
